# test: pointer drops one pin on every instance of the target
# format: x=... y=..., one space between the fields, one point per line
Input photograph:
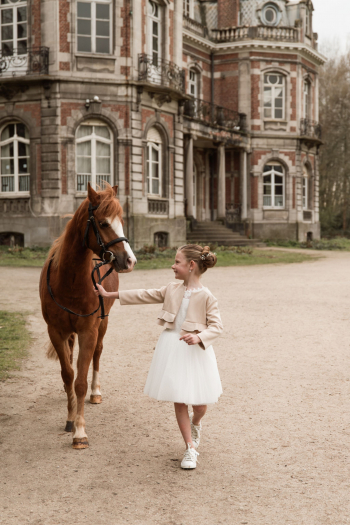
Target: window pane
x=84 y=10
x=155 y=186
x=7 y=151
x=155 y=171
x=278 y=113
x=155 y=155
x=84 y=44
x=7 y=16
x=155 y=28
x=22 y=47
x=102 y=150
x=22 y=166
x=279 y=103
x=82 y=182
x=103 y=165
x=102 y=11
x=7 y=49
x=7 y=167
x=84 y=164
x=84 y=148
x=102 y=28
x=24 y=181
x=278 y=190
x=278 y=179
x=267 y=189
x=102 y=131
x=266 y=201
x=279 y=201
x=278 y=168
x=21 y=14
x=273 y=79
x=7 y=32
x=268 y=168
x=84 y=27
x=7 y=184
x=21 y=30
x=102 y=45
x=22 y=131
x=23 y=149
x=267 y=179
x=84 y=131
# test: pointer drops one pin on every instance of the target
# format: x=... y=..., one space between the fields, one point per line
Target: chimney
x=228 y=13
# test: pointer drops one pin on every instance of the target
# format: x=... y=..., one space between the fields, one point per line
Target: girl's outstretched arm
x=102 y=291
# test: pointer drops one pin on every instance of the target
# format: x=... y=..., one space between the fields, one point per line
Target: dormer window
x=307 y=21
x=270 y=15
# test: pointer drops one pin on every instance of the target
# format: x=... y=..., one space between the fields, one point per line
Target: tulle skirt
x=183 y=373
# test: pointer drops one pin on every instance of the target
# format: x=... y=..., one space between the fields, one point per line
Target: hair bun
x=208 y=258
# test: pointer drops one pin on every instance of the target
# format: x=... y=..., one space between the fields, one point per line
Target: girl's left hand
x=190 y=339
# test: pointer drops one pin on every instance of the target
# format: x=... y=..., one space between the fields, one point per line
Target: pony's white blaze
x=95 y=384
x=118 y=228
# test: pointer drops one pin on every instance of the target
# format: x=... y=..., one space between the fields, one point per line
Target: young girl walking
x=184 y=368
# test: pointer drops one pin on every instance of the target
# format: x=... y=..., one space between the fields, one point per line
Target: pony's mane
x=109 y=207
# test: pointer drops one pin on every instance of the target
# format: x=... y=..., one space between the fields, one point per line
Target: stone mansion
x=199 y=110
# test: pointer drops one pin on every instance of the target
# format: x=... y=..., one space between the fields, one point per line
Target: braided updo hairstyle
x=202 y=256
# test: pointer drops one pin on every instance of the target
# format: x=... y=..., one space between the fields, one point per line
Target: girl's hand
x=100 y=291
x=190 y=339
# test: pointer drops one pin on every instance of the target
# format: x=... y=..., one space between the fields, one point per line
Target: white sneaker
x=190 y=458
x=195 y=432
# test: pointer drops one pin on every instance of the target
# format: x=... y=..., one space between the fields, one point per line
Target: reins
x=104 y=249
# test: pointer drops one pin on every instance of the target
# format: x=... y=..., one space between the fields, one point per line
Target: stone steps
x=216 y=233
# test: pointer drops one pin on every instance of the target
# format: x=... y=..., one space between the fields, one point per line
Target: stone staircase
x=206 y=232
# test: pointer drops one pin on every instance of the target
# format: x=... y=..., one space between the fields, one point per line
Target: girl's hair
x=202 y=256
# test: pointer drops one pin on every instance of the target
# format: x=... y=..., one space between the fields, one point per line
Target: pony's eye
x=104 y=224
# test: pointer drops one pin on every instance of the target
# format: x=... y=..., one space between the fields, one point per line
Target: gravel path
x=275 y=450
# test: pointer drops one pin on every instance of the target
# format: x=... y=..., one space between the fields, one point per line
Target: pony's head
x=109 y=221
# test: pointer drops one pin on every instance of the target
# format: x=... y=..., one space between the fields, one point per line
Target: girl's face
x=181 y=266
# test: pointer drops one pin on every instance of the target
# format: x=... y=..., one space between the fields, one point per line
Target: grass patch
x=14 y=342
x=152 y=258
x=338 y=243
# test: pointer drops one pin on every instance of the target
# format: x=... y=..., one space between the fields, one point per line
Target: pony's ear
x=115 y=189
x=93 y=196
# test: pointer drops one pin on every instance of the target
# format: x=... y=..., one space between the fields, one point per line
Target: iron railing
x=231 y=34
x=310 y=128
x=212 y=115
x=161 y=72
x=158 y=207
x=35 y=61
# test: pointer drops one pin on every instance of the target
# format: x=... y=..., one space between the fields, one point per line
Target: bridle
x=104 y=249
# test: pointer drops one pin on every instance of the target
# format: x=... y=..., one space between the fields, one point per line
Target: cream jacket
x=203 y=316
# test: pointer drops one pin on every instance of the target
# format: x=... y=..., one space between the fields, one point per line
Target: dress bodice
x=181 y=315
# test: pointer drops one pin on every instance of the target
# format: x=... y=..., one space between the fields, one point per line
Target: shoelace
x=191 y=454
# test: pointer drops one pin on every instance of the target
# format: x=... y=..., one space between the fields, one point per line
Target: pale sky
x=331 y=20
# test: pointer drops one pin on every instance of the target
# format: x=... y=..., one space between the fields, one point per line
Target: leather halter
x=104 y=249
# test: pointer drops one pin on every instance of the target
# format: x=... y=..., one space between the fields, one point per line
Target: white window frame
x=15 y=139
x=193 y=82
x=149 y=164
x=93 y=19
x=273 y=195
x=94 y=138
x=188 y=8
x=153 y=19
x=14 y=24
x=307 y=22
x=273 y=89
x=274 y=8
x=305 y=192
x=306 y=98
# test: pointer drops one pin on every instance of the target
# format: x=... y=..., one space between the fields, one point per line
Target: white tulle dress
x=180 y=372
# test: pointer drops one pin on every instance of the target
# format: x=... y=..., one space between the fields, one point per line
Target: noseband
x=104 y=249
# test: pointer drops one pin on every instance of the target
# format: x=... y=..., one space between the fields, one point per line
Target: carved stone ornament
x=10 y=90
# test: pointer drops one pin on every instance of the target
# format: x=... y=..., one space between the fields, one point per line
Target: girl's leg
x=183 y=421
x=198 y=413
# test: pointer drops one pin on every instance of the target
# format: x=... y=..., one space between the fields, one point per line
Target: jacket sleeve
x=214 y=323
x=141 y=296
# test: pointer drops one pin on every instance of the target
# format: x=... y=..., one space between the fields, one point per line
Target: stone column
x=243 y=166
x=221 y=183
x=189 y=176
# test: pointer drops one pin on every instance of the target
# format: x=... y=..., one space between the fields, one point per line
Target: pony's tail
x=69 y=346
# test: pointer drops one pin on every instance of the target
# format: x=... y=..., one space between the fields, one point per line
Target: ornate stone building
x=200 y=110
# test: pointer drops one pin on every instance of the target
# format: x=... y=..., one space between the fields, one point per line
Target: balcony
x=161 y=73
x=310 y=129
x=233 y=34
x=215 y=116
x=194 y=26
x=34 y=62
x=158 y=207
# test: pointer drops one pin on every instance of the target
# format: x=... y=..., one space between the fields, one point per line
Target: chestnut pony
x=70 y=280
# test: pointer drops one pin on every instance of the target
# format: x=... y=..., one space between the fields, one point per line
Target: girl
x=184 y=368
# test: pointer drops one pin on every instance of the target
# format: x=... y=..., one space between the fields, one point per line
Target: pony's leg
x=63 y=350
x=87 y=344
x=96 y=396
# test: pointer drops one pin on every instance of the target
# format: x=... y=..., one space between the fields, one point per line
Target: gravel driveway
x=275 y=449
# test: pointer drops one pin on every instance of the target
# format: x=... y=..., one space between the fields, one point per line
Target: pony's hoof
x=95 y=400
x=80 y=443
x=69 y=426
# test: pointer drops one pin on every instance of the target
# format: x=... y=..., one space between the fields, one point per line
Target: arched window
x=306 y=101
x=154 y=162
x=274 y=96
x=274 y=185
x=13 y=27
x=270 y=14
x=15 y=159
x=94 y=154
x=154 y=32
x=94 y=26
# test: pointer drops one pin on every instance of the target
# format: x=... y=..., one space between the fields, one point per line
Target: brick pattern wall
x=227 y=13
x=64 y=188
x=66 y=110
x=125 y=29
x=36 y=24
x=64 y=26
